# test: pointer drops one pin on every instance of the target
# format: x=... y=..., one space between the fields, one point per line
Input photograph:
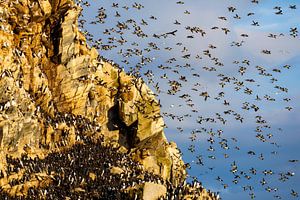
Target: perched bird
x=210 y=74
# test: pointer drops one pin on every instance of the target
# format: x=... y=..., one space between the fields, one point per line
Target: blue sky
x=285 y=50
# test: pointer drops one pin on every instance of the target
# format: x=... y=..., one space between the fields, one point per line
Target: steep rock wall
x=55 y=89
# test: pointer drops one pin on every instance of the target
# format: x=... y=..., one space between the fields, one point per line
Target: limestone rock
x=68 y=47
x=55 y=89
x=153 y=191
x=45 y=7
x=51 y=82
x=116 y=170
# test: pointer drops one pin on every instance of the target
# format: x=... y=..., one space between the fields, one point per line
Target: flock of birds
x=135 y=44
x=129 y=36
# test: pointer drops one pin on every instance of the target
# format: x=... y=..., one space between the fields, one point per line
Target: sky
x=199 y=74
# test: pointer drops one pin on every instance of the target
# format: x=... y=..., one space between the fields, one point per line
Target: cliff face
x=55 y=90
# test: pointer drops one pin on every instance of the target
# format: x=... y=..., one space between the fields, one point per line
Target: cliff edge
x=58 y=94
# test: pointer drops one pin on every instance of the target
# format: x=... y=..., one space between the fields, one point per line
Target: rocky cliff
x=56 y=94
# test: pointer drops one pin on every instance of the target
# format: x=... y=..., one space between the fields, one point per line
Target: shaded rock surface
x=55 y=91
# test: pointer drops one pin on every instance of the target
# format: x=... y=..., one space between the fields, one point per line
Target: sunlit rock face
x=55 y=90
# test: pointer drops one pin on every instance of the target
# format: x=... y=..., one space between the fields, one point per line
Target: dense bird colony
x=219 y=73
x=89 y=170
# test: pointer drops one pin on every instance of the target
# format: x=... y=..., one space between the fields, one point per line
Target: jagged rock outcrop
x=55 y=90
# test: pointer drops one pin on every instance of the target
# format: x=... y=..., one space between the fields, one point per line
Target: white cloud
x=283 y=48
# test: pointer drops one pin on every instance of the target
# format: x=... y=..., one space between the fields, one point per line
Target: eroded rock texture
x=55 y=90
